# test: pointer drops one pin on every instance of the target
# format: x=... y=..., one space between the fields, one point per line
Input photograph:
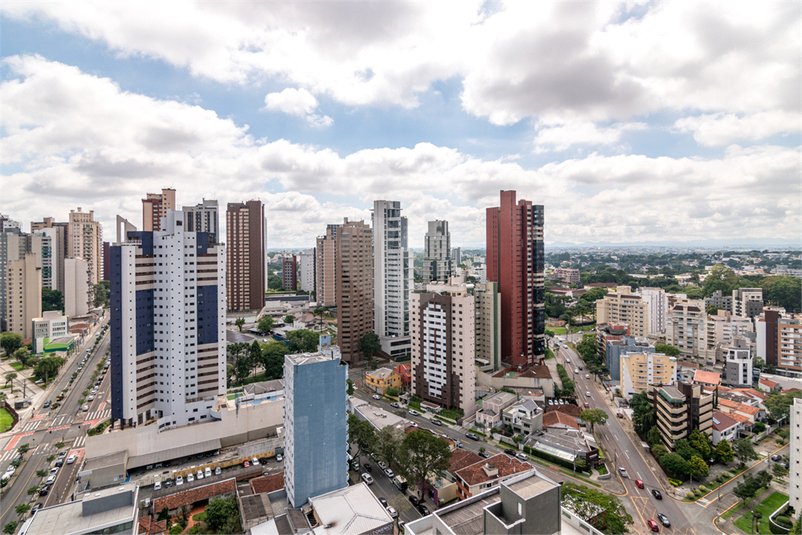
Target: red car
x=639 y=483
x=653 y=525
x=587 y=405
x=246 y=464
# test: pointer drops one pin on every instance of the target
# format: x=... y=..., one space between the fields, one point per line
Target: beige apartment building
x=154 y=207
x=639 y=370
x=326 y=267
x=488 y=323
x=680 y=410
x=78 y=296
x=354 y=287
x=85 y=240
x=720 y=332
x=624 y=307
x=24 y=295
x=442 y=322
x=685 y=326
x=245 y=256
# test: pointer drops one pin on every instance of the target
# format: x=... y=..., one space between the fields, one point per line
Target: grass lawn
x=200 y=517
x=558 y=330
x=17 y=366
x=231 y=396
x=766 y=508
x=5 y=420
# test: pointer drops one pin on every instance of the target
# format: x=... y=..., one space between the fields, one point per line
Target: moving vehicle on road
x=623 y=472
x=437 y=422
x=656 y=493
x=395 y=405
x=376 y=396
x=392 y=511
x=653 y=525
x=368 y=467
x=663 y=520
x=71 y=459
x=413 y=412
x=484 y=454
x=510 y=452
x=472 y=436
x=639 y=483
x=367 y=478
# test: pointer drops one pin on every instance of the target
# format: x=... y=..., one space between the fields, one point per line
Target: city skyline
x=667 y=122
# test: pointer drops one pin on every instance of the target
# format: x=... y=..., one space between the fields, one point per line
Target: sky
x=630 y=122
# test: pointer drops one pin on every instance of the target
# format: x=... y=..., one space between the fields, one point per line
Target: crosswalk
x=64 y=419
x=41 y=449
x=31 y=426
x=79 y=442
x=98 y=415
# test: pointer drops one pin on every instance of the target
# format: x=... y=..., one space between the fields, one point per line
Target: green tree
x=10 y=342
x=303 y=341
x=255 y=355
x=387 y=443
x=724 y=453
x=369 y=345
x=779 y=405
x=350 y=384
x=274 y=282
x=22 y=509
x=289 y=318
x=23 y=355
x=360 y=434
x=273 y=358
x=220 y=511
x=675 y=464
x=391 y=391
x=10 y=376
x=701 y=443
x=685 y=450
x=11 y=527
x=644 y=416
x=421 y=455
x=698 y=468
x=47 y=368
x=52 y=300
x=744 y=450
x=653 y=437
x=659 y=450
x=667 y=349
x=265 y=324
x=41 y=473
x=593 y=295
x=102 y=293
x=34 y=490
x=23 y=449
x=603 y=511
x=320 y=312
x=243 y=366
x=783 y=291
x=593 y=417
x=239 y=322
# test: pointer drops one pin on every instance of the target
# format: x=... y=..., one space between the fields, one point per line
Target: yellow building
x=624 y=307
x=639 y=370
x=379 y=380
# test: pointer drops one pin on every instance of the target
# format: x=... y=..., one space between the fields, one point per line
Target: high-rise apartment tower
x=245 y=250
x=155 y=207
x=353 y=275
x=437 y=253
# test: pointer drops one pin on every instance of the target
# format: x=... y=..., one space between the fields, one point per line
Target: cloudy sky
x=639 y=121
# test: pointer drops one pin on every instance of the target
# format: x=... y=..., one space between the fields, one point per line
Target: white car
x=392 y=511
x=623 y=472
x=157 y=485
x=199 y=475
x=382 y=465
x=587 y=376
x=413 y=412
x=279 y=457
x=207 y=472
x=389 y=473
x=217 y=471
x=255 y=461
x=90 y=398
x=190 y=478
x=376 y=396
x=587 y=394
x=367 y=478
x=71 y=459
x=50 y=479
x=179 y=480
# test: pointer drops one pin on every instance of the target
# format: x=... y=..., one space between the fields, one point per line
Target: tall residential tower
x=245 y=256
x=155 y=206
x=515 y=261
x=437 y=253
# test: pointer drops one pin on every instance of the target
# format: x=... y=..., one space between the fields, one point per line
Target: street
x=47 y=427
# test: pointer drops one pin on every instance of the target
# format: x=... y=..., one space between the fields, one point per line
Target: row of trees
x=244 y=359
x=417 y=456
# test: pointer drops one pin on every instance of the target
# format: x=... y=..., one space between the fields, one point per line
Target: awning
x=556 y=452
x=173 y=453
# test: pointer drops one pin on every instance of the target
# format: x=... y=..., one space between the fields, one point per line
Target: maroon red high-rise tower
x=515 y=261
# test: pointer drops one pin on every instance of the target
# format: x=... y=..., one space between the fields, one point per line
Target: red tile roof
x=710 y=378
x=751 y=392
x=267 y=483
x=557 y=417
x=724 y=421
x=569 y=409
x=506 y=465
x=148 y=526
x=462 y=458
x=188 y=497
x=734 y=405
x=769 y=383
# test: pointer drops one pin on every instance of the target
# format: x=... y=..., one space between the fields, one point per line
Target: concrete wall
x=235 y=427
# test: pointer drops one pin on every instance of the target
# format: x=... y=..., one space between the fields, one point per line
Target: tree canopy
x=779 y=405
x=593 y=417
x=10 y=342
x=421 y=455
x=724 y=453
x=744 y=450
x=369 y=345
x=265 y=324
x=239 y=322
x=667 y=349
x=360 y=434
x=303 y=341
x=52 y=300
x=585 y=503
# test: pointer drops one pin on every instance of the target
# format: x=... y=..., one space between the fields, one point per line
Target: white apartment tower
x=307 y=261
x=85 y=240
x=77 y=294
x=437 y=253
x=168 y=310
x=624 y=307
x=203 y=217
x=657 y=301
x=393 y=278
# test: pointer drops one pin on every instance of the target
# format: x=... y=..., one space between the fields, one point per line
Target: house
x=707 y=378
x=753 y=414
x=352 y=509
x=490 y=413
x=475 y=478
x=768 y=384
x=150 y=526
x=267 y=484
x=444 y=487
x=524 y=417
x=405 y=371
x=558 y=419
x=533 y=377
x=724 y=427
x=380 y=380
x=565 y=442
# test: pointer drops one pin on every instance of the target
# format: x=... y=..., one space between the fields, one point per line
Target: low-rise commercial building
x=50 y=326
x=353 y=509
x=473 y=479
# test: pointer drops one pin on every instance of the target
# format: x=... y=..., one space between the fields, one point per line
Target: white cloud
x=575 y=61
x=298 y=102
x=718 y=129
x=560 y=137
x=80 y=140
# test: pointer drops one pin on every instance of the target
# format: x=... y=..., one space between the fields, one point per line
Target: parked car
x=413 y=500
x=179 y=481
x=36 y=507
x=776 y=457
x=190 y=478
x=217 y=471
x=168 y=483
x=376 y=396
x=90 y=398
x=47 y=404
x=367 y=478
x=422 y=509
x=383 y=502
x=279 y=457
x=392 y=511
x=382 y=465
x=43 y=491
x=389 y=473
x=157 y=486
x=207 y=472
x=395 y=405
x=85 y=408
x=59 y=462
x=255 y=461
x=510 y=452
x=484 y=454
x=413 y=412
x=246 y=464
x=472 y=436
x=653 y=525
x=54 y=470
x=437 y=422
x=522 y=456
x=199 y=475
x=50 y=479
x=663 y=520
x=368 y=467
x=62 y=454
x=656 y=494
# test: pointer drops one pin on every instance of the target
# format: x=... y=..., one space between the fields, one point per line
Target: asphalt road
x=61 y=424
